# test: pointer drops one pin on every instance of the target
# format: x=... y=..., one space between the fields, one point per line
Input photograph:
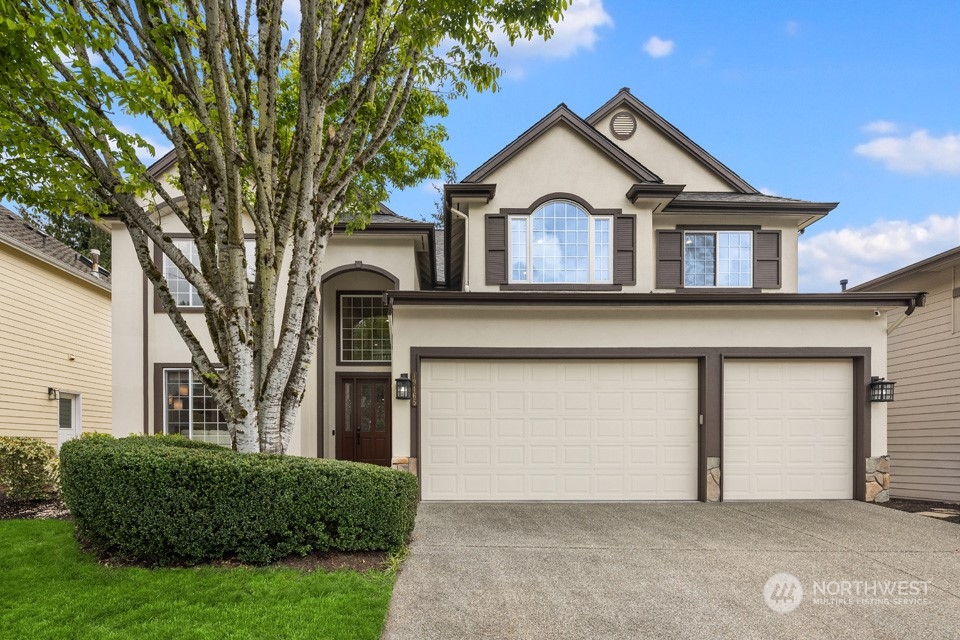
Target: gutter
x=910 y=299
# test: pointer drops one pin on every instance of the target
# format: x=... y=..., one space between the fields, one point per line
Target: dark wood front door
x=363 y=418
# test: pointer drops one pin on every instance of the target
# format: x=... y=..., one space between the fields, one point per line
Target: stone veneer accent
x=878 y=479
x=713 y=479
x=405 y=464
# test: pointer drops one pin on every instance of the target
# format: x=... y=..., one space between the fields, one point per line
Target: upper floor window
x=184 y=293
x=364 y=330
x=560 y=243
x=718 y=259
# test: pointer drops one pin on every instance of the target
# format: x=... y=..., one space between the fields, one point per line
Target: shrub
x=169 y=500
x=28 y=468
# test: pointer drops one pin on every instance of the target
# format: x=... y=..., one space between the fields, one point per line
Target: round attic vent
x=623 y=125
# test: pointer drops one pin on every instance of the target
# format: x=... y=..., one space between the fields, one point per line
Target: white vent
x=623 y=125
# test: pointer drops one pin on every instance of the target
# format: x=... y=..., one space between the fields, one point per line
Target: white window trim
x=340 y=336
x=189 y=409
x=249 y=248
x=716 y=258
x=591 y=247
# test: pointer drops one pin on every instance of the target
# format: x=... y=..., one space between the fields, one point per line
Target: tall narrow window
x=364 y=331
x=191 y=410
x=718 y=259
x=560 y=243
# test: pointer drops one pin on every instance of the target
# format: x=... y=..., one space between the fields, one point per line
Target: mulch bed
x=949 y=509
x=54 y=509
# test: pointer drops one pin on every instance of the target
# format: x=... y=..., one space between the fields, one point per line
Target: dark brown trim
x=701 y=298
x=728 y=290
x=162 y=165
x=145 y=353
x=561 y=287
x=560 y=195
x=710 y=374
x=563 y=115
x=653 y=191
x=625 y=99
x=717 y=227
x=359 y=266
x=321 y=339
x=727 y=207
x=388 y=228
x=158 y=394
x=471 y=191
x=373 y=293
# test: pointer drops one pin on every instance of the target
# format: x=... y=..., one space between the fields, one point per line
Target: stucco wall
x=393 y=254
x=664 y=157
x=54 y=332
x=623 y=327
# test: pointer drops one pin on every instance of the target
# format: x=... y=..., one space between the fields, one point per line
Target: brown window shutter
x=766 y=260
x=669 y=259
x=624 y=250
x=496 y=249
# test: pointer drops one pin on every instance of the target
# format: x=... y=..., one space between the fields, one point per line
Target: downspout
x=466 y=248
x=911 y=307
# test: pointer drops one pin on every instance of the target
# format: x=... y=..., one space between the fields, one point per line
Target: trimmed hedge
x=28 y=468
x=168 y=500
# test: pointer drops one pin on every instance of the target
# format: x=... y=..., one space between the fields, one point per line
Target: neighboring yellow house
x=55 y=355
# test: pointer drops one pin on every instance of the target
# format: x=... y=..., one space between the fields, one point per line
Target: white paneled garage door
x=787 y=429
x=558 y=430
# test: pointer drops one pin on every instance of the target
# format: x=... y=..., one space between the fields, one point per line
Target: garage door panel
x=569 y=432
x=788 y=429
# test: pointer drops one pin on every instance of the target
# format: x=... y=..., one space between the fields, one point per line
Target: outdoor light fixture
x=53 y=394
x=881 y=390
x=404 y=387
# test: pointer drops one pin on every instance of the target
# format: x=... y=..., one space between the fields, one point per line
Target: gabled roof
x=18 y=233
x=562 y=115
x=933 y=263
x=626 y=100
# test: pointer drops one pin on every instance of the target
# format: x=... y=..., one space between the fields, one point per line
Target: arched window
x=560 y=243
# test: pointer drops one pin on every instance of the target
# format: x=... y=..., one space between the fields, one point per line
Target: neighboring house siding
x=45 y=318
x=924 y=432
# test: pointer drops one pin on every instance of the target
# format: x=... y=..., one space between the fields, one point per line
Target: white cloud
x=880 y=127
x=917 y=153
x=860 y=254
x=657 y=47
x=160 y=145
x=578 y=30
x=792 y=28
x=767 y=191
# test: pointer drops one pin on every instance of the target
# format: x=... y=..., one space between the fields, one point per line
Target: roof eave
x=910 y=299
x=932 y=263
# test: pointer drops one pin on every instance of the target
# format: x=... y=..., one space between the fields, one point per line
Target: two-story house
x=613 y=315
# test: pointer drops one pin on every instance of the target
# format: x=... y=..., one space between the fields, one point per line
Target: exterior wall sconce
x=881 y=390
x=404 y=387
x=53 y=394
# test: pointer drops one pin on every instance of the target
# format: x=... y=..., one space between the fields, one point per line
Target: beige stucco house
x=924 y=361
x=55 y=337
x=612 y=314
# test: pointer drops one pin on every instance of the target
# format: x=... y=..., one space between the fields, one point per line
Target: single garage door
x=787 y=429
x=558 y=430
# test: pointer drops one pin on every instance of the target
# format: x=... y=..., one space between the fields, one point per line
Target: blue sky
x=849 y=102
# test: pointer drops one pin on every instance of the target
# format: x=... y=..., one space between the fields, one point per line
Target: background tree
x=291 y=134
x=77 y=232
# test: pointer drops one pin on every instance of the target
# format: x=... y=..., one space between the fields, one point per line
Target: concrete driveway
x=670 y=570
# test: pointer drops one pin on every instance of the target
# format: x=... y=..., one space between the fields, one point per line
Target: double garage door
x=594 y=430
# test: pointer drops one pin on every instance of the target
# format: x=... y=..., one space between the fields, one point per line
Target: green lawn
x=49 y=589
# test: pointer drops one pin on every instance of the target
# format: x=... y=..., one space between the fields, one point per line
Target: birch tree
x=294 y=131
